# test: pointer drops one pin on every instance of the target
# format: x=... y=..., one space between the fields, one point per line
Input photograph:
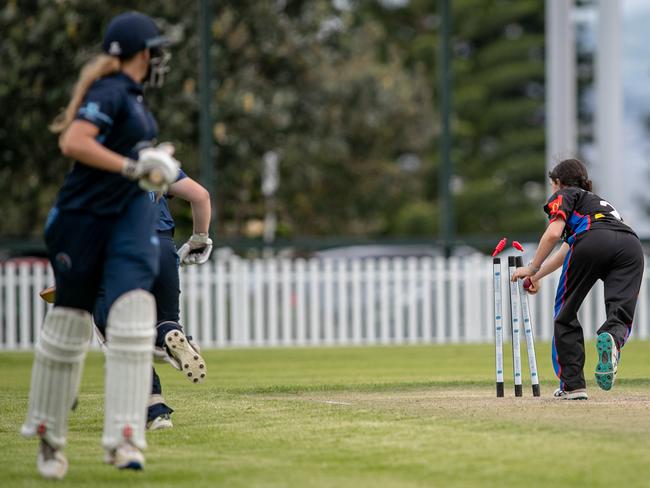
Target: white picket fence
x=283 y=302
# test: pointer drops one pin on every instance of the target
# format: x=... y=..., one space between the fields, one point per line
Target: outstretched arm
x=550 y=237
x=552 y=263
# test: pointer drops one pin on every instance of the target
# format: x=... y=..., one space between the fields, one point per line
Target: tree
x=343 y=91
x=295 y=77
x=301 y=78
x=498 y=105
x=44 y=45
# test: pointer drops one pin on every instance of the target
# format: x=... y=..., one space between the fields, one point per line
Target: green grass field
x=356 y=417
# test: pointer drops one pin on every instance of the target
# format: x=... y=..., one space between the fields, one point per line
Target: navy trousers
x=166 y=290
x=166 y=287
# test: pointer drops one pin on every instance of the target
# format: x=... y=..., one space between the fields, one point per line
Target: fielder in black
x=597 y=244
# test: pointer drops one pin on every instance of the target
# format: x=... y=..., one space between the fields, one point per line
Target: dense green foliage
x=44 y=44
x=344 y=92
x=416 y=416
x=498 y=105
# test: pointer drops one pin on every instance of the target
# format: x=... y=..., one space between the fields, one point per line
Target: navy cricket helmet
x=131 y=32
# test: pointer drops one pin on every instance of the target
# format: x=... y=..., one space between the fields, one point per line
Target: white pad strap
x=56 y=374
x=130 y=339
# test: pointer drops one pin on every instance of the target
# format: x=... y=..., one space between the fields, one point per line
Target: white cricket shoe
x=51 y=462
x=161 y=422
x=125 y=456
x=579 y=394
x=185 y=354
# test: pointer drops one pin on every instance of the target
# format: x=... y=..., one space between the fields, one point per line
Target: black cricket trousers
x=616 y=258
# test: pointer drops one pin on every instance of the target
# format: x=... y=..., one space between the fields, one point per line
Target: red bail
x=502 y=244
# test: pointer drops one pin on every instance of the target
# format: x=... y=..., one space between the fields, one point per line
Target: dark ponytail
x=571 y=172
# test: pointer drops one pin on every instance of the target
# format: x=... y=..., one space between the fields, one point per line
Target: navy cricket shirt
x=165 y=220
x=115 y=104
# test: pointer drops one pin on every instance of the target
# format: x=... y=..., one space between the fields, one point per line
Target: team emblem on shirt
x=555 y=205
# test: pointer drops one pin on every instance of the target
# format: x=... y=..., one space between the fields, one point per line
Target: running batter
x=101 y=234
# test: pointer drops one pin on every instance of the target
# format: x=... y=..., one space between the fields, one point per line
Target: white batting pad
x=56 y=374
x=130 y=335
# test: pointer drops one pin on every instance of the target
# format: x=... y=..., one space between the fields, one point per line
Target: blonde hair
x=99 y=66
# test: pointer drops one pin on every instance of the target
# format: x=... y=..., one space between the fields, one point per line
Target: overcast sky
x=636 y=92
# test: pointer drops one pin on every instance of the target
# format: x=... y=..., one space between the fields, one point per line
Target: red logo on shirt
x=555 y=205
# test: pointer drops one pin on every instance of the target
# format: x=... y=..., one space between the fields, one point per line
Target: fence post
x=328 y=284
x=207 y=274
x=222 y=278
x=244 y=303
x=398 y=300
x=441 y=300
x=258 y=302
x=342 y=303
x=314 y=302
x=356 y=301
x=287 y=315
x=24 y=305
x=370 y=305
x=300 y=303
x=413 y=299
x=427 y=323
x=10 y=294
x=272 y=287
x=384 y=300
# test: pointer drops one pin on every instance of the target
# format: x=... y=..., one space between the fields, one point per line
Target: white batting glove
x=155 y=169
x=196 y=250
x=168 y=147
